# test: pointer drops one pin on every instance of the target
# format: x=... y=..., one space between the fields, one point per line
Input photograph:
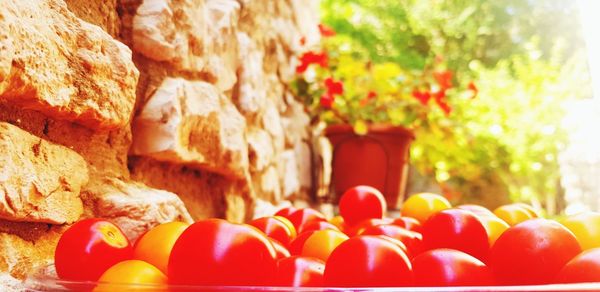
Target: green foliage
x=525 y=58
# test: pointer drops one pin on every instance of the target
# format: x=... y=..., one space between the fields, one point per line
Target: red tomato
x=368 y=261
x=304 y=216
x=532 y=252
x=217 y=252
x=456 y=229
x=358 y=228
x=280 y=250
x=409 y=223
x=449 y=267
x=319 y=225
x=88 y=248
x=286 y=212
x=274 y=227
x=583 y=268
x=360 y=203
x=297 y=244
x=412 y=240
x=297 y=271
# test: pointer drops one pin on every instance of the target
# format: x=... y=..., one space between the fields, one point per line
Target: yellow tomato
x=338 y=221
x=531 y=210
x=586 y=227
x=512 y=214
x=421 y=206
x=155 y=246
x=321 y=243
x=494 y=226
x=130 y=272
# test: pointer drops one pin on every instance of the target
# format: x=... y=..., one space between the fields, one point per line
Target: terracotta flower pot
x=378 y=159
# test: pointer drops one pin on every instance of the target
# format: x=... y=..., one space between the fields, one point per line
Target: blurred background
x=530 y=133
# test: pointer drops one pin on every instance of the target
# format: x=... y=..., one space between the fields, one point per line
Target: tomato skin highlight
x=449 y=267
x=368 y=261
x=216 y=252
x=275 y=227
x=360 y=203
x=88 y=248
x=299 y=271
x=583 y=268
x=532 y=252
x=456 y=229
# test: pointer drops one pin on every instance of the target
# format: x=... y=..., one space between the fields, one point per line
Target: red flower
x=303 y=41
x=327 y=101
x=443 y=78
x=326 y=31
x=334 y=87
x=473 y=88
x=311 y=58
x=371 y=95
x=422 y=96
x=440 y=99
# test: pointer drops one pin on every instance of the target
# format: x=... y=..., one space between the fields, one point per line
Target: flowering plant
x=340 y=87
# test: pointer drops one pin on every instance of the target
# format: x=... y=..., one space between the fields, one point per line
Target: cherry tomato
x=297 y=244
x=478 y=210
x=276 y=227
x=304 y=216
x=358 y=228
x=531 y=210
x=360 y=203
x=409 y=223
x=319 y=225
x=154 y=246
x=298 y=271
x=321 y=243
x=286 y=212
x=421 y=206
x=130 y=272
x=586 y=227
x=450 y=267
x=338 y=221
x=88 y=248
x=217 y=252
x=456 y=229
x=280 y=250
x=532 y=252
x=512 y=214
x=494 y=227
x=412 y=240
x=583 y=268
x=368 y=261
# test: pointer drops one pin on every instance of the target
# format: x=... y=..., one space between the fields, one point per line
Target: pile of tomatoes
x=431 y=245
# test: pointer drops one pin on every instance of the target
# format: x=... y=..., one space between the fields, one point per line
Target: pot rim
x=378 y=128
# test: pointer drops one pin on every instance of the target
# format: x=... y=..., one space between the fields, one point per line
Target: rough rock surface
x=39 y=181
x=146 y=111
x=133 y=206
x=52 y=61
x=190 y=122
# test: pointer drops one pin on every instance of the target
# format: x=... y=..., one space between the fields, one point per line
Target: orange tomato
x=130 y=272
x=155 y=246
x=586 y=227
x=512 y=214
x=322 y=242
x=422 y=205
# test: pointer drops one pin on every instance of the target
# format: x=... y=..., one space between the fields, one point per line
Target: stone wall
x=146 y=111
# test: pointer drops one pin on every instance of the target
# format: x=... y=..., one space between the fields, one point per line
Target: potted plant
x=372 y=112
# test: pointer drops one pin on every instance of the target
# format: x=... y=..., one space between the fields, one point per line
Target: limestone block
x=304 y=159
x=290 y=175
x=26 y=247
x=252 y=92
x=260 y=149
x=271 y=121
x=39 y=181
x=267 y=184
x=295 y=122
x=133 y=206
x=191 y=122
x=196 y=35
x=53 y=62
